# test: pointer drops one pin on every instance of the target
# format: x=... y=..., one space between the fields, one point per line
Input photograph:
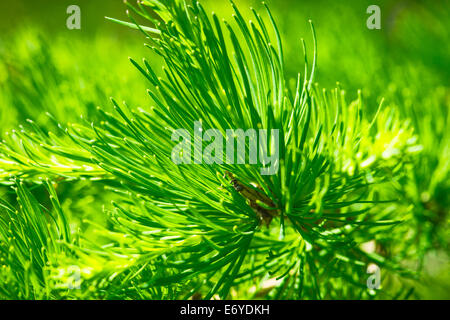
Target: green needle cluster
x=158 y=230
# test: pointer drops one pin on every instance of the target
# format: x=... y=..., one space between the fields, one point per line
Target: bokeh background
x=47 y=68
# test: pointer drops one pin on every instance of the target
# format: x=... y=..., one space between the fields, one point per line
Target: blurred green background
x=45 y=67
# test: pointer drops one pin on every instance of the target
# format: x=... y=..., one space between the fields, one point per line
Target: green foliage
x=355 y=186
